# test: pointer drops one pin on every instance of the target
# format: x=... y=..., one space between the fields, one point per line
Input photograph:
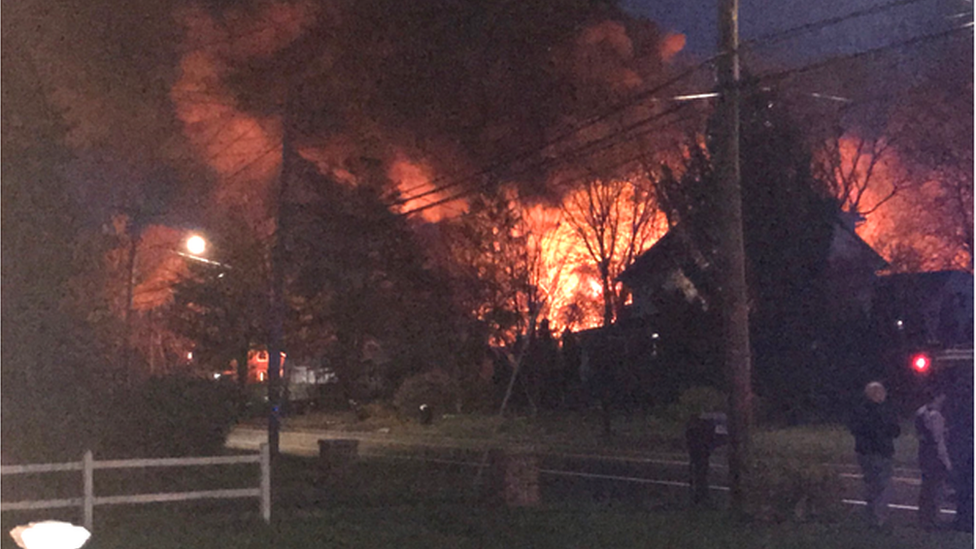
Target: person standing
x=703 y=434
x=875 y=428
x=933 y=458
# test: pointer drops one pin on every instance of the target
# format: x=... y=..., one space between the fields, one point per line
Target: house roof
x=664 y=251
x=668 y=253
x=847 y=248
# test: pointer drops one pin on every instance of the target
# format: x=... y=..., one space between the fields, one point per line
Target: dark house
x=803 y=366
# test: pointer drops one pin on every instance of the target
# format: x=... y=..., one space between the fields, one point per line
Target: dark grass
x=388 y=503
x=446 y=525
x=583 y=431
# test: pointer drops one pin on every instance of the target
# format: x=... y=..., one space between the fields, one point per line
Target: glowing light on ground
x=50 y=534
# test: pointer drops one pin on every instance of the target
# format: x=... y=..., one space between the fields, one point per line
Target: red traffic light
x=921 y=363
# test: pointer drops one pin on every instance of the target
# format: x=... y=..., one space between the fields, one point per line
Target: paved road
x=564 y=472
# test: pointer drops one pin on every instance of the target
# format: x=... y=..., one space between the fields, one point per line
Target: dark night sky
x=697 y=20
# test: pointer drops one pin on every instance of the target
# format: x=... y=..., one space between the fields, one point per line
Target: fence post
x=266 y=483
x=88 y=472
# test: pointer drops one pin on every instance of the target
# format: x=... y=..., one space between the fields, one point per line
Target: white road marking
x=898 y=506
x=904 y=480
x=640 y=480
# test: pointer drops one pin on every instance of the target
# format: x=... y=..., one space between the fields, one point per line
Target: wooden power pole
x=734 y=301
x=277 y=298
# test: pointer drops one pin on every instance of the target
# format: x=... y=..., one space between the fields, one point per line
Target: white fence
x=89 y=500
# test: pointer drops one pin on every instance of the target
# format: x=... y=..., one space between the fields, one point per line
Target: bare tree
x=849 y=167
x=615 y=220
x=935 y=131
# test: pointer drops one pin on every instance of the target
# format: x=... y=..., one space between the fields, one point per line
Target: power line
x=848 y=57
x=778 y=36
x=253 y=161
x=762 y=40
x=561 y=137
x=772 y=75
x=577 y=154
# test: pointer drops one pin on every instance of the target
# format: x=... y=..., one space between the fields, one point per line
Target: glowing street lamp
x=196 y=244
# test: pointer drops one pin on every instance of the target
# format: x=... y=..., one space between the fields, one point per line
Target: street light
x=196 y=244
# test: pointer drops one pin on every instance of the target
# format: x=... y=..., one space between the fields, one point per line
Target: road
x=564 y=472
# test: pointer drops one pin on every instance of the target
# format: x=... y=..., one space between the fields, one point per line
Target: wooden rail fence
x=89 y=500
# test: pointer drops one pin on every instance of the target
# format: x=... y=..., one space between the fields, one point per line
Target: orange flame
x=911 y=221
x=567 y=276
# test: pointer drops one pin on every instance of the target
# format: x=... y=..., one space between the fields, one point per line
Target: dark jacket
x=875 y=428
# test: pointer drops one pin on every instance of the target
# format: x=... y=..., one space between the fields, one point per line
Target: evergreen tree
x=788 y=222
x=222 y=304
x=361 y=292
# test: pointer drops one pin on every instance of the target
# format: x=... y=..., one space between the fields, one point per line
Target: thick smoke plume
x=411 y=97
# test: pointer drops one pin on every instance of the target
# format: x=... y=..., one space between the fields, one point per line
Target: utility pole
x=734 y=302
x=134 y=230
x=277 y=313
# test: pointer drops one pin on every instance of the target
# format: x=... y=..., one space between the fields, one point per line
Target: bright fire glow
x=567 y=276
x=243 y=150
x=911 y=223
x=414 y=182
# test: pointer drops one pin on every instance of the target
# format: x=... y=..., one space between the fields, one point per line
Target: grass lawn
x=823 y=443
x=571 y=431
x=829 y=444
x=379 y=504
x=458 y=527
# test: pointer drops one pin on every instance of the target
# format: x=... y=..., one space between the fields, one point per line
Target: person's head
x=934 y=398
x=875 y=392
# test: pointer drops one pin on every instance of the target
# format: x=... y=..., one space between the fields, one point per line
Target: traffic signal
x=921 y=363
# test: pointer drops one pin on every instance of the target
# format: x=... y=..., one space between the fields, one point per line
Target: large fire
x=561 y=249
x=903 y=220
x=569 y=277
x=244 y=151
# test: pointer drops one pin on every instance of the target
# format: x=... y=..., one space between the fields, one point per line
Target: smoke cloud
x=406 y=97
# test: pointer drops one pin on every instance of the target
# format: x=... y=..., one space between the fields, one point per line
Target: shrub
x=697 y=400
x=168 y=416
x=434 y=388
x=789 y=489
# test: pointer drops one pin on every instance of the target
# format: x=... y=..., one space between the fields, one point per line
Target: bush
x=434 y=388
x=696 y=401
x=168 y=416
x=788 y=489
